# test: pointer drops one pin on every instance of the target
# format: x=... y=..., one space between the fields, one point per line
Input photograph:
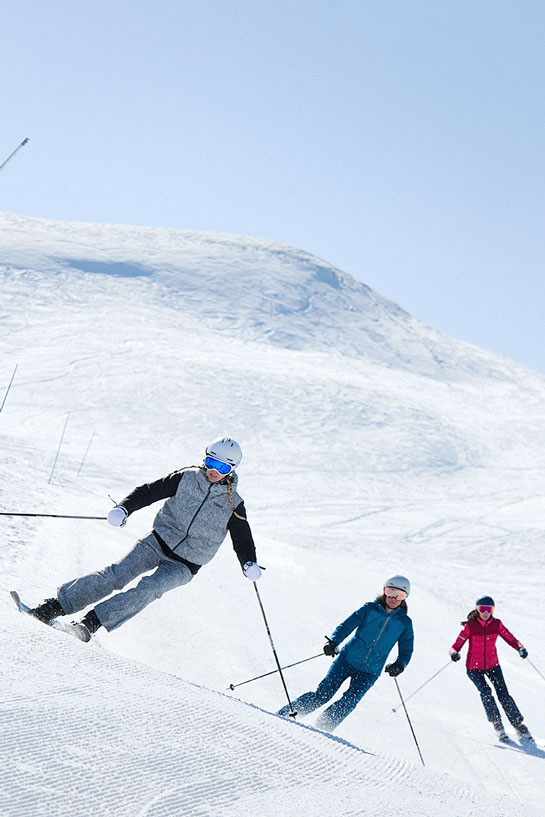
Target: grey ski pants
x=145 y=556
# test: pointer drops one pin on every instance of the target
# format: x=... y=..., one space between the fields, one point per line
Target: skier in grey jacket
x=202 y=505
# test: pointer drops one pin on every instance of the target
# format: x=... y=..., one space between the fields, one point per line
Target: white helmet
x=226 y=450
x=399 y=582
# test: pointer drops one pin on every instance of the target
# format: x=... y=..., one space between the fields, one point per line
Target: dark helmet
x=485 y=600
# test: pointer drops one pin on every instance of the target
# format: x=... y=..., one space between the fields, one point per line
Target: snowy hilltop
x=373 y=445
x=248 y=289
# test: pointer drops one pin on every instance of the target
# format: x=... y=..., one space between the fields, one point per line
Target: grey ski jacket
x=197 y=515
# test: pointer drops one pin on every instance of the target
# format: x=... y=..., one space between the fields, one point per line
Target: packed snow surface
x=373 y=444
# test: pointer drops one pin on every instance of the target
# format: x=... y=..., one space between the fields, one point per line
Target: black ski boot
x=47 y=610
x=500 y=731
x=88 y=625
x=524 y=733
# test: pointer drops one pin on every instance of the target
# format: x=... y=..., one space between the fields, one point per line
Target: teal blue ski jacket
x=377 y=632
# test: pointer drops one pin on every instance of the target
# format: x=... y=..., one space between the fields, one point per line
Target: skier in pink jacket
x=481 y=630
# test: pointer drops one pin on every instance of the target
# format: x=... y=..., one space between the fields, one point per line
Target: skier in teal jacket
x=379 y=625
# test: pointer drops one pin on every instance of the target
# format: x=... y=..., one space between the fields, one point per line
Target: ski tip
x=15 y=598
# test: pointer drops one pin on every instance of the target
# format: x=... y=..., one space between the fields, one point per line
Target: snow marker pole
x=292 y=713
x=11 y=155
x=536 y=669
x=274 y=671
x=9 y=387
x=410 y=724
x=59 y=447
x=85 y=455
x=394 y=709
x=51 y=515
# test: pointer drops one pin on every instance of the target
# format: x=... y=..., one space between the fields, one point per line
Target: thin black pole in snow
x=410 y=724
x=52 y=515
x=274 y=671
x=11 y=155
x=424 y=684
x=293 y=713
x=9 y=387
x=86 y=452
x=59 y=448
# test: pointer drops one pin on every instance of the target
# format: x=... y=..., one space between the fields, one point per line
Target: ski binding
x=78 y=631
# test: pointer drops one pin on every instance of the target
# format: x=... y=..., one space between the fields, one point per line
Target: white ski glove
x=252 y=571
x=117 y=516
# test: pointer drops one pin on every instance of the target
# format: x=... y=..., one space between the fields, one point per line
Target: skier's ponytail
x=231 y=500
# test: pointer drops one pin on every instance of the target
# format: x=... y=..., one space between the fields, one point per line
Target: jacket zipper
x=193 y=518
x=374 y=644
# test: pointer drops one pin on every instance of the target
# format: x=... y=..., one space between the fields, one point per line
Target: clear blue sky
x=402 y=141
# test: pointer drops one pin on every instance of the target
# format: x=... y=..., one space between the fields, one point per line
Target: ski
x=525 y=744
x=528 y=744
x=78 y=631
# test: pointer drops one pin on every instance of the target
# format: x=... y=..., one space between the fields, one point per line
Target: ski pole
x=536 y=669
x=410 y=724
x=292 y=713
x=394 y=709
x=51 y=515
x=233 y=686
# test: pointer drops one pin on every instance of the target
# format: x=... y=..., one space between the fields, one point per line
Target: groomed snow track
x=88 y=733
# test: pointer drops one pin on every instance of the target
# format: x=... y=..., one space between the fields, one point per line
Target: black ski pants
x=495 y=675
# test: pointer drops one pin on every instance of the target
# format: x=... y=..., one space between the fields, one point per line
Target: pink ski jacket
x=482 y=636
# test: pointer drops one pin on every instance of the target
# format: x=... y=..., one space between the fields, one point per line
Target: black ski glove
x=455 y=656
x=523 y=652
x=394 y=669
x=330 y=648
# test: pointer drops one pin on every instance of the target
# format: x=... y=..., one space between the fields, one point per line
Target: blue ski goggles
x=217 y=465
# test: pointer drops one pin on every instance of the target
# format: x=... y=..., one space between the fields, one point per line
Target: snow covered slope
x=372 y=445
x=108 y=736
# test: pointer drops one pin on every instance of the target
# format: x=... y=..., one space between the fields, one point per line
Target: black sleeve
x=152 y=492
x=243 y=543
